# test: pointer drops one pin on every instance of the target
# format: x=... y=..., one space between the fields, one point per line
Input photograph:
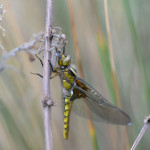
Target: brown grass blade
x=75 y=40
x=113 y=69
x=90 y=123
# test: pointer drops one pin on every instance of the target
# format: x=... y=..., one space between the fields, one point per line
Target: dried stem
x=142 y=132
x=75 y=39
x=29 y=46
x=112 y=63
x=77 y=52
x=114 y=77
x=2 y=12
x=46 y=82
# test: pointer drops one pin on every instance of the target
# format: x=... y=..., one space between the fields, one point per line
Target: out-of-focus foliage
x=21 y=124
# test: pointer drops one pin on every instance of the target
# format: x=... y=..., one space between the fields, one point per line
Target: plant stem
x=142 y=132
x=47 y=102
x=77 y=52
x=75 y=40
x=112 y=62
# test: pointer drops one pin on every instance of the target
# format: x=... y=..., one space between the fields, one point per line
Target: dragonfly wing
x=99 y=109
x=80 y=107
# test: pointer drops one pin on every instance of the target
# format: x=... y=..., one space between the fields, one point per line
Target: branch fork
x=47 y=101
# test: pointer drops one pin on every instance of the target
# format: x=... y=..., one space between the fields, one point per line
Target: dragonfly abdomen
x=67 y=110
x=67 y=82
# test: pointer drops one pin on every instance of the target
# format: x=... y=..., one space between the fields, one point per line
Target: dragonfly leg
x=42 y=76
x=39 y=60
x=53 y=70
x=54 y=76
x=37 y=74
x=64 y=49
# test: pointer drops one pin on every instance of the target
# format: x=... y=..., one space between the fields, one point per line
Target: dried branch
x=2 y=12
x=142 y=132
x=47 y=102
x=29 y=46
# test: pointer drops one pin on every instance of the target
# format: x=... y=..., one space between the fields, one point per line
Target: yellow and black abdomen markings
x=68 y=80
x=67 y=109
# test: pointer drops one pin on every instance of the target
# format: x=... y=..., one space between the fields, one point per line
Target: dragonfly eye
x=67 y=59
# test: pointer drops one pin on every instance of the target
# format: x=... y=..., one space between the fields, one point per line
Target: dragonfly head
x=64 y=61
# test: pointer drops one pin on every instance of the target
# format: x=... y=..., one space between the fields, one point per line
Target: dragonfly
x=78 y=95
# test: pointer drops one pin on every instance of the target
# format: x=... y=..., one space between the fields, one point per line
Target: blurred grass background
x=21 y=124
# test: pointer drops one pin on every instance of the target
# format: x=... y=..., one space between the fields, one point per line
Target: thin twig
x=29 y=46
x=2 y=12
x=46 y=82
x=142 y=132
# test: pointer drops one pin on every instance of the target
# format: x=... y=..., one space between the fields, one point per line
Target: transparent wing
x=99 y=109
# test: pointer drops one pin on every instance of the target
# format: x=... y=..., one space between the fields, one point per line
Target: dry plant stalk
x=75 y=39
x=90 y=123
x=2 y=12
x=142 y=132
x=112 y=62
x=47 y=102
x=29 y=47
